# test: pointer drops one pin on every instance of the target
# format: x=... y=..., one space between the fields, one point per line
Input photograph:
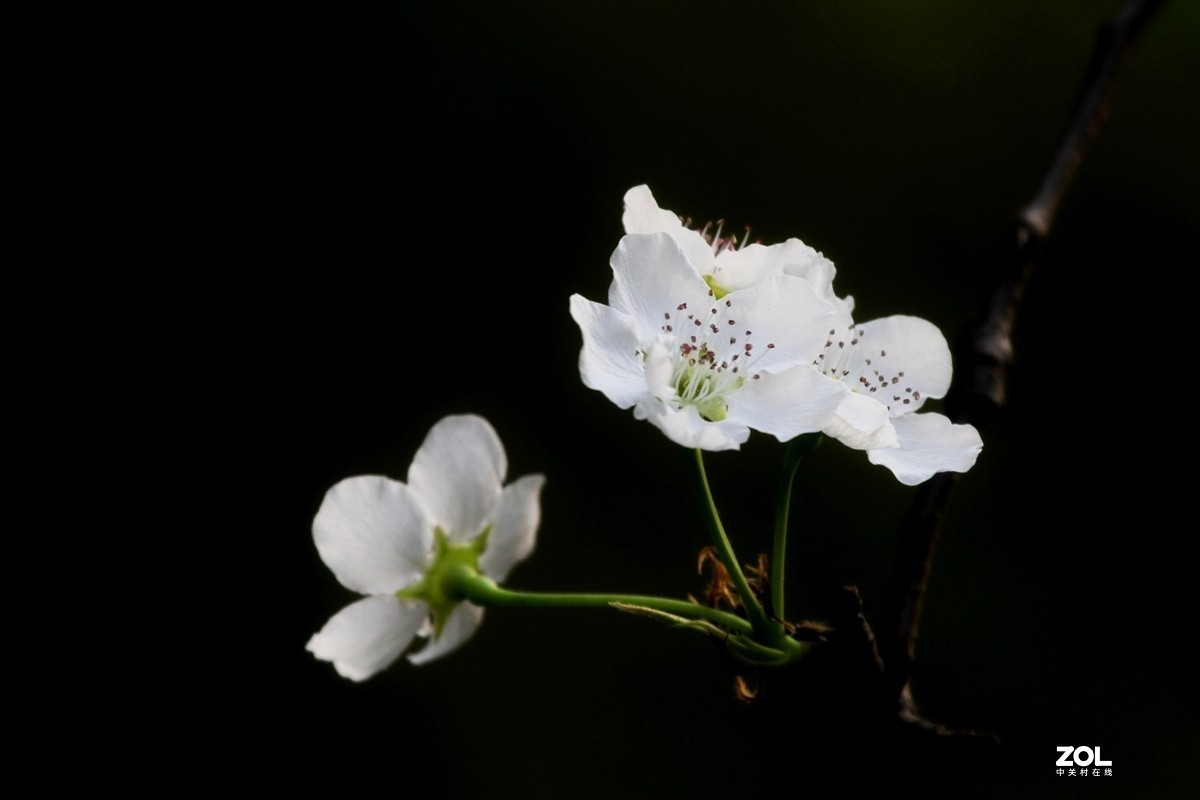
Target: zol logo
x=1084 y=757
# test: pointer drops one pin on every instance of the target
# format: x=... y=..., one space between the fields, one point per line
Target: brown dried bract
x=720 y=589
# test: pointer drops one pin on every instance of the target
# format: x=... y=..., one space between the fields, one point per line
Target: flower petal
x=367 y=636
x=905 y=358
x=862 y=423
x=929 y=443
x=786 y=404
x=373 y=534
x=755 y=263
x=459 y=627
x=734 y=270
x=608 y=360
x=790 y=323
x=809 y=264
x=659 y=370
x=684 y=425
x=642 y=215
x=457 y=473
x=651 y=279
x=515 y=528
x=805 y=262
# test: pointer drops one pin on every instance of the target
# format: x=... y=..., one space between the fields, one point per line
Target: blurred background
x=454 y=172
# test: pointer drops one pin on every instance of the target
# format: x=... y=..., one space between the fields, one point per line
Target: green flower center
x=701 y=382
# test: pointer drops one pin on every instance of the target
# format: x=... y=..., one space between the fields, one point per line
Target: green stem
x=797 y=449
x=758 y=618
x=484 y=592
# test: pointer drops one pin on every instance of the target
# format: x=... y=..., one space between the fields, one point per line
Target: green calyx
x=441 y=588
x=717 y=290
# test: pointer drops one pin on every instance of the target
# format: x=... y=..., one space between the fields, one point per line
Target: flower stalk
x=483 y=591
x=797 y=449
x=768 y=630
x=738 y=634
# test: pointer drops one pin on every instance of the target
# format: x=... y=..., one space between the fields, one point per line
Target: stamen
x=703 y=375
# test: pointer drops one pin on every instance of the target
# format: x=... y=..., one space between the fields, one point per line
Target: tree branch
x=984 y=351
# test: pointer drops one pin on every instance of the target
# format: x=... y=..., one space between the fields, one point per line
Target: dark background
x=450 y=173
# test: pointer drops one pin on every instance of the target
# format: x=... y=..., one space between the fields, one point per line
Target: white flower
x=705 y=369
x=723 y=264
x=392 y=541
x=885 y=369
x=888 y=368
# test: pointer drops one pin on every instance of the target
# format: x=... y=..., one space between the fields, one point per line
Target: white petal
x=367 y=636
x=786 y=404
x=929 y=443
x=651 y=278
x=686 y=427
x=910 y=361
x=459 y=627
x=642 y=215
x=788 y=323
x=683 y=426
x=805 y=262
x=734 y=270
x=755 y=263
x=862 y=423
x=457 y=473
x=608 y=361
x=373 y=534
x=515 y=528
x=809 y=264
x=658 y=371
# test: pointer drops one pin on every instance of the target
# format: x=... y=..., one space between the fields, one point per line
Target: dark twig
x=984 y=351
x=1090 y=110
